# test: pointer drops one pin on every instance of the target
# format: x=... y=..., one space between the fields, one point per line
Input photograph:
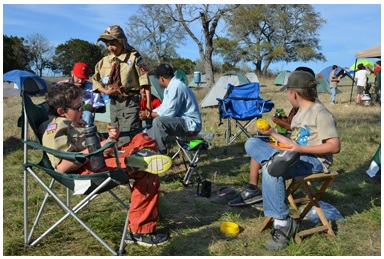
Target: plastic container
x=262 y=124
x=205 y=135
x=229 y=228
x=197 y=77
x=92 y=141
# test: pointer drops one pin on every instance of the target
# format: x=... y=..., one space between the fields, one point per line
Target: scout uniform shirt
x=63 y=135
x=133 y=72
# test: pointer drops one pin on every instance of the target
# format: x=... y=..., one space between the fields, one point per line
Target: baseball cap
x=114 y=32
x=224 y=195
x=163 y=69
x=81 y=70
x=301 y=79
x=305 y=69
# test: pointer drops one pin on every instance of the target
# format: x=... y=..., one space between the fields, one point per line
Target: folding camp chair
x=311 y=199
x=191 y=149
x=244 y=105
x=90 y=185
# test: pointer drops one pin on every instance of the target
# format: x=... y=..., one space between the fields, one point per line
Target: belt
x=122 y=98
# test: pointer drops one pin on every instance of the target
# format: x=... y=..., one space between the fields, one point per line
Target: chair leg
x=266 y=223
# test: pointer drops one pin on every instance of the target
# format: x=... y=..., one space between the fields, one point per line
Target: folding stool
x=191 y=148
x=311 y=199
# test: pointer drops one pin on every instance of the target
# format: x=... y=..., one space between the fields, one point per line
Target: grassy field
x=194 y=222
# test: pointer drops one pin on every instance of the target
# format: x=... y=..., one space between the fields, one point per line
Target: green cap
x=301 y=79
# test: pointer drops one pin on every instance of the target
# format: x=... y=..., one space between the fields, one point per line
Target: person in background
x=93 y=102
x=64 y=131
x=179 y=114
x=156 y=102
x=333 y=81
x=121 y=75
x=361 y=79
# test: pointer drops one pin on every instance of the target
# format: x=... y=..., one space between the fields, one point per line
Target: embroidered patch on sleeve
x=51 y=128
x=143 y=68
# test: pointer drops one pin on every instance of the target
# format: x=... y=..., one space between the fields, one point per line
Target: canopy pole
x=353 y=81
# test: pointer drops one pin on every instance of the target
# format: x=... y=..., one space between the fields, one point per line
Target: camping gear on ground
x=375 y=166
x=365 y=62
x=252 y=77
x=244 y=105
x=224 y=195
x=197 y=77
x=366 y=100
x=282 y=78
x=330 y=212
x=201 y=84
x=229 y=228
x=204 y=189
x=89 y=185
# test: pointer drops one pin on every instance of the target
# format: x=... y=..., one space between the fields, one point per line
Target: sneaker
x=250 y=194
x=282 y=235
x=148 y=161
x=281 y=161
x=152 y=239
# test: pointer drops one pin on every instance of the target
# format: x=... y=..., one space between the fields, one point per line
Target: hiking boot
x=281 y=161
x=250 y=194
x=148 y=161
x=282 y=235
x=152 y=239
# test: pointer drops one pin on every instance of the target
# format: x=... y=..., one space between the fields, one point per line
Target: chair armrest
x=75 y=157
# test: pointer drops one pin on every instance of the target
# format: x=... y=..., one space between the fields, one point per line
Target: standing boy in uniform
x=121 y=75
x=92 y=101
x=313 y=142
x=64 y=131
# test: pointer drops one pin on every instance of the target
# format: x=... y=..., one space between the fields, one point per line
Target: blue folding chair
x=244 y=105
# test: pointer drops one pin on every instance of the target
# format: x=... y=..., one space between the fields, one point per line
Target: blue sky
x=349 y=28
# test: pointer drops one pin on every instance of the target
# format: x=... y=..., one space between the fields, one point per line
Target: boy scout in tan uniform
x=122 y=84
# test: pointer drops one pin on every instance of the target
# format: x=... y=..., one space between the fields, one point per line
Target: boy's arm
x=329 y=146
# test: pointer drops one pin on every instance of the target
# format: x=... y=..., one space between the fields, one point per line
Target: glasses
x=79 y=108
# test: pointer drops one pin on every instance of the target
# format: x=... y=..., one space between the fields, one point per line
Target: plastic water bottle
x=205 y=135
x=92 y=141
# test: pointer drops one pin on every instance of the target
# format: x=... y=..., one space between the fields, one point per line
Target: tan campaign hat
x=114 y=32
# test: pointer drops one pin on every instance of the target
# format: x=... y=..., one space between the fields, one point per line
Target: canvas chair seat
x=89 y=185
x=244 y=105
x=191 y=148
x=311 y=199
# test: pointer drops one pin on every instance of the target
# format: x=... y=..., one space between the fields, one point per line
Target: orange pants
x=143 y=211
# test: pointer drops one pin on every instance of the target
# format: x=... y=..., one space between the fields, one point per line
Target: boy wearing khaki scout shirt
x=64 y=131
x=121 y=74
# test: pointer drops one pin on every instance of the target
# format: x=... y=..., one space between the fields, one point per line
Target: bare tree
x=41 y=51
x=209 y=17
x=155 y=33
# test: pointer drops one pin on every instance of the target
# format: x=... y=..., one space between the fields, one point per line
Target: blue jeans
x=273 y=188
x=333 y=94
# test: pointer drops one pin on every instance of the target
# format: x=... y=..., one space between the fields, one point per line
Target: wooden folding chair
x=311 y=199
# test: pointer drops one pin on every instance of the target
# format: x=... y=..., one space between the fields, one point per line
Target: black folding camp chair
x=244 y=105
x=95 y=184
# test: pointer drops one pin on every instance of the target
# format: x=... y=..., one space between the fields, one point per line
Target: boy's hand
x=113 y=132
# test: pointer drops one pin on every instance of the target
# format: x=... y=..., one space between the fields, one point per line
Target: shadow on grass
x=10 y=145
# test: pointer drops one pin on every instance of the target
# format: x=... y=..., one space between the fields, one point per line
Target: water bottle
x=205 y=135
x=92 y=142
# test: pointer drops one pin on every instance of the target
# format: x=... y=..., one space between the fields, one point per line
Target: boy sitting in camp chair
x=65 y=131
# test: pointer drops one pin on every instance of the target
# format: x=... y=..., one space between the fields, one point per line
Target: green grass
x=194 y=223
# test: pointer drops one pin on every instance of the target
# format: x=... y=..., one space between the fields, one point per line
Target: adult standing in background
x=179 y=114
x=121 y=75
x=333 y=81
x=361 y=79
x=93 y=102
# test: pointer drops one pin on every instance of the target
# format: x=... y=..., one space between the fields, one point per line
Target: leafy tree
x=186 y=65
x=154 y=33
x=76 y=50
x=15 y=54
x=40 y=51
x=209 y=17
x=273 y=33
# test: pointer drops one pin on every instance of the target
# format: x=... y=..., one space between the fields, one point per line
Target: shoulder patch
x=51 y=128
x=137 y=55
